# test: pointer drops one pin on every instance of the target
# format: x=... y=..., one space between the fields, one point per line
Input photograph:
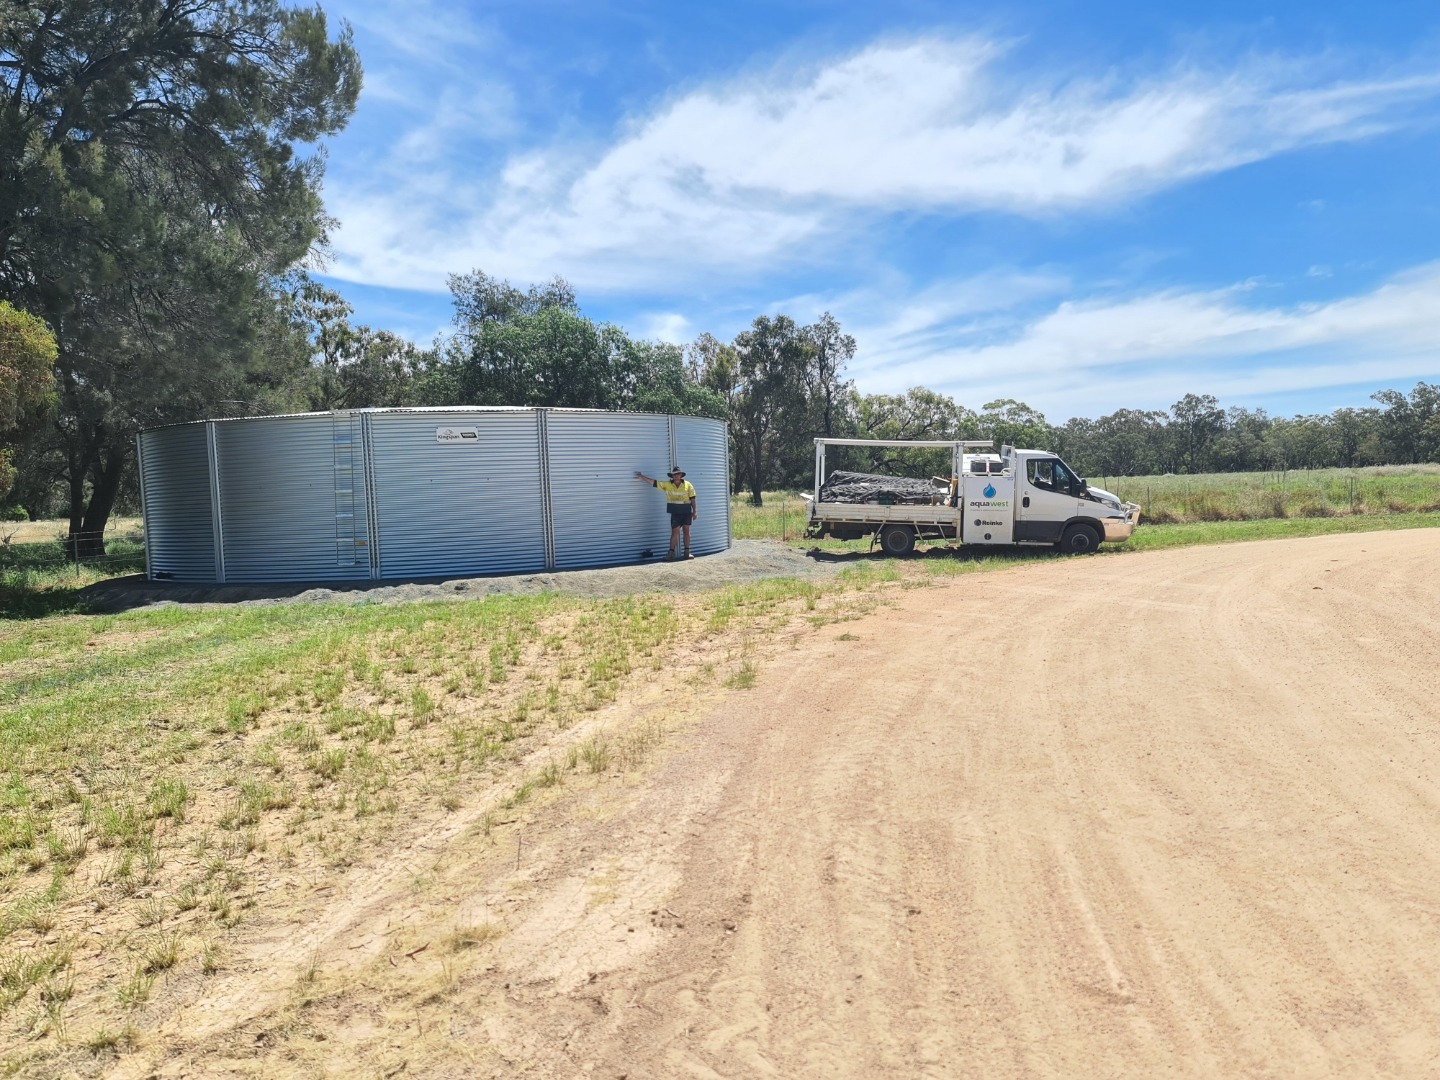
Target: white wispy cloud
x=667 y=326
x=1080 y=357
x=430 y=35
x=791 y=167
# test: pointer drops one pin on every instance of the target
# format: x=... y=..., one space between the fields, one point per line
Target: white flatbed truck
x=1014 y=497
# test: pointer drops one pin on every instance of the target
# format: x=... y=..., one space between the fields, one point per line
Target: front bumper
x=1118 y=530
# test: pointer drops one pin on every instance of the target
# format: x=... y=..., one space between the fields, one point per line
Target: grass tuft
x=473 y=936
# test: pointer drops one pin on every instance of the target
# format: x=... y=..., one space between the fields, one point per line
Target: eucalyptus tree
x=1409 y=424
x=1245 y=443
x=771 y=412
x=350 y=366
x=1357 y=439
x=535 y=347
x=1197 y=420
x=153 y=183
x=655 y=377
x=919 y=413
x=515 y=346
x=1016 y=423
x=830 y=351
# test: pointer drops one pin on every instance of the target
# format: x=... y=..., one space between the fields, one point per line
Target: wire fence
x=782 y=517
x=28 y=559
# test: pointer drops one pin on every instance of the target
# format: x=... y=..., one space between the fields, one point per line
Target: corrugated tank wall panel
x=465 y=507
x=601 y=515
x=292 y=498
x=701 y=449
x=179 y=527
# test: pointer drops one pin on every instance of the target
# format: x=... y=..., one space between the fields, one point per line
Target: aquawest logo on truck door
x=989 y=502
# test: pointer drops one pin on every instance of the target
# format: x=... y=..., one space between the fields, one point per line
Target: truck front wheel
x=1080 y=540
x=897 y=539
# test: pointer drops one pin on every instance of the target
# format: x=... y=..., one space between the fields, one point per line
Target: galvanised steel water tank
x=371 y=494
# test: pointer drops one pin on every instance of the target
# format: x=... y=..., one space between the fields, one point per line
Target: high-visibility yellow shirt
x=676 y=494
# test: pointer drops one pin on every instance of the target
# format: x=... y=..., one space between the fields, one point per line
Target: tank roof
x=422 y=409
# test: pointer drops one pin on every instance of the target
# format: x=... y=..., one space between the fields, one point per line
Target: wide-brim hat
x=677 y=471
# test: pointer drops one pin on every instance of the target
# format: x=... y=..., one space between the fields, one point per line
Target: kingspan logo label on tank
x=455 y=436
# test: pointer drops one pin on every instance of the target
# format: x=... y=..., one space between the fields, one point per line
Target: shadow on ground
x=935 y=554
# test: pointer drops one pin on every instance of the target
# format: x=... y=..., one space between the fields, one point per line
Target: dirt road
x=1160 y=815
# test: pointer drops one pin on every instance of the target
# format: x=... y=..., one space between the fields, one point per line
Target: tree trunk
x=105 y=486
x=79 y=466
x=757 y=472
x=103 y=466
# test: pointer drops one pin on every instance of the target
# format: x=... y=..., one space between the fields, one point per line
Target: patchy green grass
x=36 y=578
x=156 y=766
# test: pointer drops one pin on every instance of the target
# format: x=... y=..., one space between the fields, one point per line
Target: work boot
x=688 y=555
x=670 y=555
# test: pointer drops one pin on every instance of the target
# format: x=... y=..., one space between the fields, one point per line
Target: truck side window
x=1063 y=480
x=1042 y=473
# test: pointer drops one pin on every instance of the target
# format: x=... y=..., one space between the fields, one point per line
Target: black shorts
x=680 y=515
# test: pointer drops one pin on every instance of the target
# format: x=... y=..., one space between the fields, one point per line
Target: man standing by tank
x=680 y=501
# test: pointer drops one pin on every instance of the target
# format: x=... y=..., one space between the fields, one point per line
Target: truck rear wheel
x=1080 y=539
x=897 y=539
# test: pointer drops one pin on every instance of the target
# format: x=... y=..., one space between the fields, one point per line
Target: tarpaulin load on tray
x=850 y=487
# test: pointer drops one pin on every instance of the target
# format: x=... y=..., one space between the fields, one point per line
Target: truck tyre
x=1080 y=539
x=897 y=539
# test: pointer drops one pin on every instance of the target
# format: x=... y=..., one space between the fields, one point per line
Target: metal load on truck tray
x=850 y=487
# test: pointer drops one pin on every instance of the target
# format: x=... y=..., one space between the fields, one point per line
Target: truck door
x=988 y=509
x=1047 y=500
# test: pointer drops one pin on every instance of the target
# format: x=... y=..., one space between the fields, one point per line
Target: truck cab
x=1057 y=506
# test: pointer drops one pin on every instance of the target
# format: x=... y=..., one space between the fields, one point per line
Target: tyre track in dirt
x=1163 y=814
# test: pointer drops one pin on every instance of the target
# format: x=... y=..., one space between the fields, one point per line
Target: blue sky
x=1087 y=206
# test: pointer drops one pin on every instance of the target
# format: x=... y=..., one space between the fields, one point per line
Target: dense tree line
x=1198 y=435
